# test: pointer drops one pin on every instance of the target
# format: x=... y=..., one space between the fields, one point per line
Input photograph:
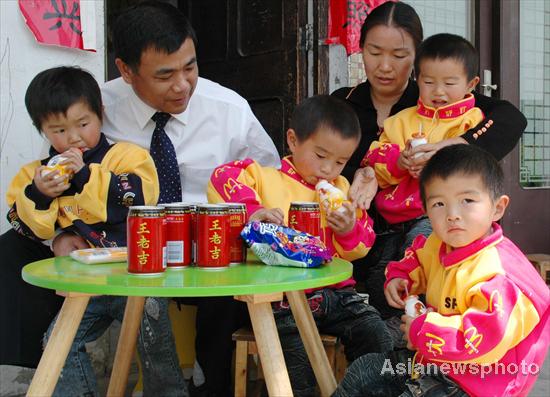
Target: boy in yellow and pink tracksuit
x=323 y=134
x=488 y=329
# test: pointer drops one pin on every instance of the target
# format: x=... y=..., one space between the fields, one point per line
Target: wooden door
x=527 y=220
x=255 y=47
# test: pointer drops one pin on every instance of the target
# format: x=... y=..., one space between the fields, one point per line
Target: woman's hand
x=420 y=154
x=66 y=242
x=364 y=188
x=342 y=222
x=273 y=215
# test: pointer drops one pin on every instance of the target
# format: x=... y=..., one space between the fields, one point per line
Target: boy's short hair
x=55 y=90
x=326 y=111
x=448 y=46
x=467 y=160
x=149 y=24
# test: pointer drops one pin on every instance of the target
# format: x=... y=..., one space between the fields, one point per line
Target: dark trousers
x=217 y=319
x=26 y=311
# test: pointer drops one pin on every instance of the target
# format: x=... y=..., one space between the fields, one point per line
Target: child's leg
x=162 y=375
x=77 y=376
x=375 y=374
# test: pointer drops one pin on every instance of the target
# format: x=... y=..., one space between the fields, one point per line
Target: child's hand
x=364 y=188
x=405 y=160
x=342 y=222
x=393 y=292
x=405 y=327
x=273 y=215
x=73 y=159
x=66 y=242
x=51 y=184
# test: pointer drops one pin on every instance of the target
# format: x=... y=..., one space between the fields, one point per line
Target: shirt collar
x=143 y=112
x=447 y=112
x=458 y=255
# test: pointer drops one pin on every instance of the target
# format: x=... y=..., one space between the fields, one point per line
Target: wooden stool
x=246 y=345
x=542 y=263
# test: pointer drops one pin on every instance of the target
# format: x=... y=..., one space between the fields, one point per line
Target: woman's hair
x=444 y=46
x=467 y=160
x=398 y=15
x=53 y=91
x=147 y=25
x=325 y=111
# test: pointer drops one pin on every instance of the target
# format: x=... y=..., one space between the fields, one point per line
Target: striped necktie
x=164 y=155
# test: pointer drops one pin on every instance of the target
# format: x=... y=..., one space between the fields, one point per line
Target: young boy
x=487 y=328
x=323 y=134
x=446 y=66
x=65 y=105
x=102 y=181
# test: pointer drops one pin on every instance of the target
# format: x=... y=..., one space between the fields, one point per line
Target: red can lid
x=304 y=206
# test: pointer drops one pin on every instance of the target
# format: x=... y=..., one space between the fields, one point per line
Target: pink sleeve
x=232 y=182
x=358 y=241
x=498 y=317
x=409 y=268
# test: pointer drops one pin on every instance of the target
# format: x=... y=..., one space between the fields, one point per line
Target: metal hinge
x=306 y=37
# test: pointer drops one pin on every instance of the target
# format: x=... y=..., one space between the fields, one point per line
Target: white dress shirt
x=217 y=127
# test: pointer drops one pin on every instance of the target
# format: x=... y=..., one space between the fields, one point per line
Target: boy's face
x=164 y=81
x=79 y=128
x=461 y=209
x=443 y=81
x=322 y=156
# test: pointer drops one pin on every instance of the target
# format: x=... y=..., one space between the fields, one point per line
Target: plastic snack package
x=330 y=196
x=283 y=246
x=100 y=255
x=414 y=306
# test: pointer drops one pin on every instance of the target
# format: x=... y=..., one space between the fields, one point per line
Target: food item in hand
x=413 y=306
x=54 y=164
x=330 y=196
x=418 y=139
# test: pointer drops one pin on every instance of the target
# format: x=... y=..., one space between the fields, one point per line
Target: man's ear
x=291 y=139
x=125 y=71
x=500 y=207
x=473 y=83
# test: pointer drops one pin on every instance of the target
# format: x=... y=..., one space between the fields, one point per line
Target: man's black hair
x=469 y=160
x=448 y=46
x=147 y=25
x=54 y=91
x=325 y=111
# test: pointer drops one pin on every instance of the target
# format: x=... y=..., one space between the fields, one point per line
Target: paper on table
x=100 y=255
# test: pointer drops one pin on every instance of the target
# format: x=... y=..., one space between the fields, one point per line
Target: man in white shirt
x=209 y=125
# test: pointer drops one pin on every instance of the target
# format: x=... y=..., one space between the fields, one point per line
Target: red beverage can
x=305 y=216
x=212 y=236
x=237 y=220
x=193 y=212
x=145 y=229
x=178 y=234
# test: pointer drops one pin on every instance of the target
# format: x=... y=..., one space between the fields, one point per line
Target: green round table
x=253 y=282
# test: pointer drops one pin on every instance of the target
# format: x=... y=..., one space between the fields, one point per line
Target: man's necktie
x=164 y=155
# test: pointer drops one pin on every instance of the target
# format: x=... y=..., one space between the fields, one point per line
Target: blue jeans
x=162 y=375
x=341 y=313
x=377 y=374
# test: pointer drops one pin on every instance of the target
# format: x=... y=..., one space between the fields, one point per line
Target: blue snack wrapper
x=283 y=246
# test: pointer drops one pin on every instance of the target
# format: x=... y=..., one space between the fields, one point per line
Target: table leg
x=268 y=343
x=56 y=351
x=126 y=345
x=312 y=341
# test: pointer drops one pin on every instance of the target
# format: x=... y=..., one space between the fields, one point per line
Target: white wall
x=21 y=58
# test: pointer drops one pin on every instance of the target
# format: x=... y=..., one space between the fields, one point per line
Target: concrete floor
x=14 y=381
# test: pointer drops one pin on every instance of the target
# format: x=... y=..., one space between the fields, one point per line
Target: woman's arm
x=500 y=130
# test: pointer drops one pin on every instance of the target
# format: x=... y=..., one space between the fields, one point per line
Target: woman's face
x=388 y=57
